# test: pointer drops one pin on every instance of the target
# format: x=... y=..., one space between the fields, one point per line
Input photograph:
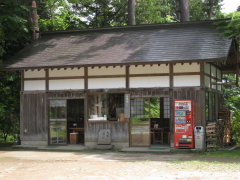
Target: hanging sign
x=127 y=105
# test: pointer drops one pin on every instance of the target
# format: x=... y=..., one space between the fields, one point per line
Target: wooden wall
x=34 y=119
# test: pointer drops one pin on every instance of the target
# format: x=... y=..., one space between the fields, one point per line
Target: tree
x=14 y=35
x=131 y=12
x=183 y=8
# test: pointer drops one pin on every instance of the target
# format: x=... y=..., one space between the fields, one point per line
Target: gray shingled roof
x=159 y=43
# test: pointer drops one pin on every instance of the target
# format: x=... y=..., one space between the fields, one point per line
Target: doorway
x=149 y=122
x=75 y=121
x=66 y=121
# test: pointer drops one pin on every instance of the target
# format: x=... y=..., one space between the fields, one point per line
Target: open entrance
x=75 y=121
x=66 y=122
x=150 y=122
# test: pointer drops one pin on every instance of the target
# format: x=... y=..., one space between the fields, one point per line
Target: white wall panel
x=106 y=71
x=207 y=81
x=66 y=73
x=140 y=82
x=193 y=80
x=186 y=67
x=207 y=68
x=213 y=71
x=147 y=69
x=34 y=85
x=66 y=84
x=105 y=83
x=34 y=74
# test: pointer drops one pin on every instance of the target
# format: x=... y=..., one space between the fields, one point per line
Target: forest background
x=17 y=25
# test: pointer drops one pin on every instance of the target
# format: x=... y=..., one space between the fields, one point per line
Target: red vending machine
x=184 y=117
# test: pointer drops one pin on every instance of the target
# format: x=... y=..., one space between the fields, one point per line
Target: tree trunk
x=210 y=10
x=131 y=12
x=183 y=8
x=34 y=20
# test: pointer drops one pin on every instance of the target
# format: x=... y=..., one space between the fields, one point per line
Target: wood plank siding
x=34 y=104
x=34 y=118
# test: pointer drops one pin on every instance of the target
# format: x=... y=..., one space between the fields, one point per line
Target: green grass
x=225 y=153
x=217 y=153
x=203 y=165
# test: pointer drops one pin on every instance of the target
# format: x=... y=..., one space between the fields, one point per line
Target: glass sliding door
x=140 y=123
x=57 y=122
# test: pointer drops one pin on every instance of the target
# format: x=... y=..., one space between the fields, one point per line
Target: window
x=106 y=107
x=166 y=107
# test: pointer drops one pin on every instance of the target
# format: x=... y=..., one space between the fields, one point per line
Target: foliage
x=236 y=128
x=231 y=94
x=9 y=104
x=14 y=33
x=230 y=29
x=204 y=9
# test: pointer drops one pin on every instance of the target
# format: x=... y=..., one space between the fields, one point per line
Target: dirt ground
x=52 y=165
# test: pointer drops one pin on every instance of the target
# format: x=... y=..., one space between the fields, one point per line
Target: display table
x=77 y=129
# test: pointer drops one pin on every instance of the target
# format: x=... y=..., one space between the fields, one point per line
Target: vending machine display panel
x=184 y=123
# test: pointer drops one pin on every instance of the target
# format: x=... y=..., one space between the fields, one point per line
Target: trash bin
x=74 y=138
x=199 y=135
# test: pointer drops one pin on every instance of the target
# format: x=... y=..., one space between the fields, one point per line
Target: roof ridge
x=130 y=27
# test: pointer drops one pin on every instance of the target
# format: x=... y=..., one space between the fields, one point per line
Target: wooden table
x=77 y=129
x=158 y=131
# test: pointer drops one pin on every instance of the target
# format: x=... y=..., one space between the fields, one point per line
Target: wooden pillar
x=22 y=80
x=127 y=77
x=47 y=79
x=85 y=78
x=202 y=83
x=171 y=75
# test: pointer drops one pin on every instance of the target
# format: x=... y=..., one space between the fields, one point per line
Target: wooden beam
x=221 y=83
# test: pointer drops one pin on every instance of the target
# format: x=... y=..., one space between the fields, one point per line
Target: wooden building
x=121 y=78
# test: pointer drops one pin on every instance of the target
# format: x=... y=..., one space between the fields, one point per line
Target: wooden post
x=22 y=80
x=85 y=78
x=202 y=75
x=47 y=79
x=171 y=75
x=127 y=77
